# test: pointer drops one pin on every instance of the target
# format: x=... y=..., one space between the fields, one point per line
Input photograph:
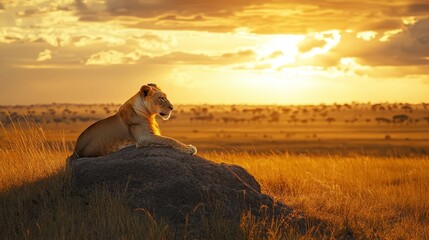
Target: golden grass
x=364 y=197
x=372 y=197
x=38 y=201
x=27 y=155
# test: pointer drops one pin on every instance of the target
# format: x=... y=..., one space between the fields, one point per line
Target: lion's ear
x=146 y=90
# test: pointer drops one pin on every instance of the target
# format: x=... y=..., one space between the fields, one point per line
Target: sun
x=279 y=50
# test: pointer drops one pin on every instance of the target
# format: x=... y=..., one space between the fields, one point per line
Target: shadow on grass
x=51 y=208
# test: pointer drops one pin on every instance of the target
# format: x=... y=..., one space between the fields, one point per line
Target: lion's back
x=103 y=137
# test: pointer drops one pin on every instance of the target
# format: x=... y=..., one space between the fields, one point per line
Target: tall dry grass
x=38 y=201
x=27 y=155
x=369 y=197
x=361 y=197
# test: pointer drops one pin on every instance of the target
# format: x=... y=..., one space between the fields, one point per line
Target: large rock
x=171 y=184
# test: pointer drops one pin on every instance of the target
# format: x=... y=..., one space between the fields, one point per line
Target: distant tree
x=107 y=110
x=324 y=114
x=407 y=108
x=84 y=119
x=400 y=118
x=57 y=120
x=305 y=111
x=330 y=120
x=382 y=120
x=286 y=110
x=274 y=119
x=234 y=109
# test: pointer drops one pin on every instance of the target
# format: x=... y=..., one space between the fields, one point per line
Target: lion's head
x=156 y=100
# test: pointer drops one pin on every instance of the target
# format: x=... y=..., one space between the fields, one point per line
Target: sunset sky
x=223 y=51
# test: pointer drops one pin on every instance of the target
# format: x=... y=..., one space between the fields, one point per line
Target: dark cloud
x=207 y=26
x=87 y=13
x=405 y=53
x=410 y=47
x=260 y=16
x=418 y=9
x=381 y=25
x=148 y=9
x=80 y=5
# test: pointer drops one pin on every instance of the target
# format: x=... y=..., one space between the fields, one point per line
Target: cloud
x=410 y=47
x=69 y=31
x=113 y=57
x=44 y=56
x=386 y=72
x=406 y=49
x=183 y=58
x=131 y=32
x=259 y=16
x=225 y=59
x=178 y=18
x=309 y=43
x=142 y=8
x=418 y=9
x=381 y=25
x=367 y=36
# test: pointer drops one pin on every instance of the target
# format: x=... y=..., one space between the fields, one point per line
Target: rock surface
x=171 y=184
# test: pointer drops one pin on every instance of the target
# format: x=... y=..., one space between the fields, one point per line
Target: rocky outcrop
x=175 y=186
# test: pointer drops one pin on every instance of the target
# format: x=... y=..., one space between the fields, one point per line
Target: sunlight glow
x=409 y=20
x=388 y=34
x=279 y=50
x=332 y=38
x=367 y=36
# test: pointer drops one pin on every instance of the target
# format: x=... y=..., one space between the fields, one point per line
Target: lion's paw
x=190 y=149
x=141 y=144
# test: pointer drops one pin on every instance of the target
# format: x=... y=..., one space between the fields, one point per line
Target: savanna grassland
x=363 y=169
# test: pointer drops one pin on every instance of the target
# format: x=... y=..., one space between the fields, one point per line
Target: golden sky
x=223 y=51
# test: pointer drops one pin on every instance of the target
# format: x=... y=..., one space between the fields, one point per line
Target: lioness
x=133 y=124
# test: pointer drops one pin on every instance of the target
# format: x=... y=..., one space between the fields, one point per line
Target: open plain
x=363 y=169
